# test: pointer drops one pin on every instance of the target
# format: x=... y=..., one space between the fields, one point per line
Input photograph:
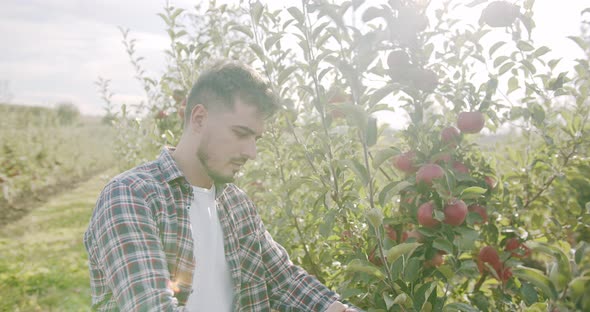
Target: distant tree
x=5 y=93
x=67 y=113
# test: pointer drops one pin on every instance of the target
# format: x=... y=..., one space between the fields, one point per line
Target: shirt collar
x=168 y=165
x=171 y=172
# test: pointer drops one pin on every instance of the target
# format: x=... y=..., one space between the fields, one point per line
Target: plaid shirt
x=140 y=248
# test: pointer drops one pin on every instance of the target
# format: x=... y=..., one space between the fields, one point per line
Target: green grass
x=43 y=263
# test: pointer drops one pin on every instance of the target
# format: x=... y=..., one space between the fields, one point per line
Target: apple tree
x=479 y=202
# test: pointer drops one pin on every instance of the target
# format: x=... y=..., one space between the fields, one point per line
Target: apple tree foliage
x=438 y=216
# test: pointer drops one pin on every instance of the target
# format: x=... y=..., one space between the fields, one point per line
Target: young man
x=175 y=235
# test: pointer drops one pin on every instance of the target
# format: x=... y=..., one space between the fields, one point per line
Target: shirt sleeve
x=130 y=253
x=290 y=287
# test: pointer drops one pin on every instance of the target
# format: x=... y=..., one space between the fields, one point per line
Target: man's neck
x=191 y=167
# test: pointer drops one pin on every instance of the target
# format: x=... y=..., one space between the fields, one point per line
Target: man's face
x=229 y=140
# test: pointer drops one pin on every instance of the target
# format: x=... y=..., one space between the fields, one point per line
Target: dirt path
x=25 y=203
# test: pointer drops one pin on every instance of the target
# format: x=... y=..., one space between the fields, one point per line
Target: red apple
x=436 y=260
x=455 y=212
x=488 y=255
x=405 y=162
x=181 y=109
x=500 y=14
x=345 y=235
x=512 y=244
x=516 y=248
x=335 y=112
x=450 y=136
x=412 y=234
x=490 y=182
x=461 y=168
x=423 y=79
x=339 y=97
x=481 y=210
x=161 y=115
x=505 y=274
x=428 y=173
x=374 y=258
x=425 y=215
x=178 y=96
x=470 y=122
x=391 y=233
x=371 y=13
x=398 y=60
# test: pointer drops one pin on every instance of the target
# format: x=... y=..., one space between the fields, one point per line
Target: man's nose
x=249 y=149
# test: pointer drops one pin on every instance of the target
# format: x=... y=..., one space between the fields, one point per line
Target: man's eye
x=240 y=134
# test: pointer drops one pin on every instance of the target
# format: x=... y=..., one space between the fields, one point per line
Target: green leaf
x=243 y=29
x=495 y=47
x=357 y=265
x=401 y=249
x=379 y=94
x=400 y=187
x=375 y=217
x=541 y=51
x=296 y=13
x=383 y=155
x=271 y=41
x=537 y=112
x=524 y=46
x=257 y=9
x=459 y=307
x=536 y=278
x=472 y=192
x=529 y=66
x=466 y=237
x=578 y=285
x=557 y=253
x=177 y=12
x=165 y=18
x=358 y=169
x=512 y=84
x=443 y=244
x=258 y=51
x=506 y=67
x=475 y=3
x=529 y=294
x=371 y=135
x=411 y=270
x=580 y=252
x=580 y=42
x=553 y=63
x=355 y=114
x=391 y=189
x=421 y=296
x=500 y=60
x=284 y=74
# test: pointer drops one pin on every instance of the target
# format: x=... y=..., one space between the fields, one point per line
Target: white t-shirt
x=212 y=284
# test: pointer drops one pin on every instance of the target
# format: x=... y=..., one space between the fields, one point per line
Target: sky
x=54 y=50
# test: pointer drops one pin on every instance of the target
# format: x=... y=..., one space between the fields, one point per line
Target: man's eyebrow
x=246 y=129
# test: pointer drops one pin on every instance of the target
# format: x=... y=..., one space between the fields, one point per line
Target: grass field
x=43 y=264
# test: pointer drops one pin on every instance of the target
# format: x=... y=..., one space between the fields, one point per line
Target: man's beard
x=216 y=176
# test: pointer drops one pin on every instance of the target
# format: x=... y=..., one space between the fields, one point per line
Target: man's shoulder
x=143 y=177
x=237 y=200
x=232 y=192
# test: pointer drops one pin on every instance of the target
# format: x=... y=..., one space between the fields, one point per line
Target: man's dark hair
x=220 y=87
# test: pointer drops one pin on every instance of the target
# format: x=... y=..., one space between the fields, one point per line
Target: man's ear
x=198 y=116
